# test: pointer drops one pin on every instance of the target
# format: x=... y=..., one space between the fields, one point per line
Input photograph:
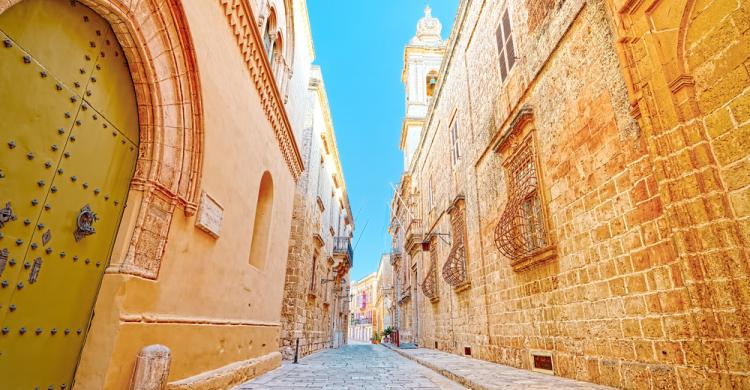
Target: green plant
x=375 y=336
x=387 y=331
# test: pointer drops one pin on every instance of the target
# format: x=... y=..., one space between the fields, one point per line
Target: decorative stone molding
x=249 y=42
x=151 y=368
x=149 y=239
x=170 y=114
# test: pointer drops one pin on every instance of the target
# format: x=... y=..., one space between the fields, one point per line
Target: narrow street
x=354 y=366
x=452 y=194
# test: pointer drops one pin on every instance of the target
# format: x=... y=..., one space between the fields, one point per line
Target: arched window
x=269 y=35
x=276 y=53
x=262 y=225
x=432 y=79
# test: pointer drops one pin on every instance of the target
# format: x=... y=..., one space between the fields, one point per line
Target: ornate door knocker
x=6 y=215
x=85 y=222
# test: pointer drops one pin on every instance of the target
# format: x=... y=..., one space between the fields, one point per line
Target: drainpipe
x=416 y=302
x=398 y=311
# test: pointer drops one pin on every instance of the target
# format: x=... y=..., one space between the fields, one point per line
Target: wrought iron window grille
x=521 y=232
x=429 y=285
x=454 y=269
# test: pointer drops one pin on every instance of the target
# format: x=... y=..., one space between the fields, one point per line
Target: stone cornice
x=406 y=122
x=242 y=22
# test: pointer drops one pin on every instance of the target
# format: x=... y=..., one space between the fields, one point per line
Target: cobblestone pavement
x=356 y=366
x=479 y=374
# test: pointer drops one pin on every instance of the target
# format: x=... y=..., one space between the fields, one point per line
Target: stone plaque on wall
x=210 y=215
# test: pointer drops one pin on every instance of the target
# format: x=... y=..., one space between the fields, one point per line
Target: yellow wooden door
x=68 y=146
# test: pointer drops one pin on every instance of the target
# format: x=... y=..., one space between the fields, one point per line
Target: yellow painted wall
x=208 y=305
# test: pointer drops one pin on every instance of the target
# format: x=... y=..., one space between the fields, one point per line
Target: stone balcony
x=414 y=236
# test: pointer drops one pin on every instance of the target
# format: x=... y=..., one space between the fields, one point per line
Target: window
x=521 y=234
x=454 y=268
x=429 y=284
x=269 y=38
x=262 y=225
x=314 y=266
x=319 y=185
x=332 y=215
x=524 y=184
x=429 y=194
x=276 y=55
x=505 y=49
x=432 y=79
x=455 y=147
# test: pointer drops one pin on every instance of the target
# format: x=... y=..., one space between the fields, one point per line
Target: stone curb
x=448 y=374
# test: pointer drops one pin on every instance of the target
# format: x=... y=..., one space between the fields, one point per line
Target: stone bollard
x=151 y=368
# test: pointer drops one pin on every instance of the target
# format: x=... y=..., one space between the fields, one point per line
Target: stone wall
x=636 y=124
x=316 y=275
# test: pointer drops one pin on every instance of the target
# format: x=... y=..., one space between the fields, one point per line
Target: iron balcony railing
x=343 y=246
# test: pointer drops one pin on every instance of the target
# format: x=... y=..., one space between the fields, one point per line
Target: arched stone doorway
x=162 y=78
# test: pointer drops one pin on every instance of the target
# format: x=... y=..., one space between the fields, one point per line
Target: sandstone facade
x=315 y=309
x=580 y=192
x=196 y=267
x=363 y=319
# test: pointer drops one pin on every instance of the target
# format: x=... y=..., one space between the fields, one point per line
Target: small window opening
x=542 y=362
x=432 y=79
x=506 y=52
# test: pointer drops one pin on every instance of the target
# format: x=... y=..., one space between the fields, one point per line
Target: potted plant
x=375 y=337
x=387 y=333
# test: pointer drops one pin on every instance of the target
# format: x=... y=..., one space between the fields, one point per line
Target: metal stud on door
x=69 y=151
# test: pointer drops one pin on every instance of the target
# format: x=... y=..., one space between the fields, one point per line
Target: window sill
x=539 y=257
x=463 y=286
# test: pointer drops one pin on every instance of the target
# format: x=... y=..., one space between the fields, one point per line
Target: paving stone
x=355 y=366
x=480 y=374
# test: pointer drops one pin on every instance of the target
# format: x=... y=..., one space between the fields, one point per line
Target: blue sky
x=359 y=45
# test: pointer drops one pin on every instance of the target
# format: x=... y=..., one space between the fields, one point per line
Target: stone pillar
x=151 y=368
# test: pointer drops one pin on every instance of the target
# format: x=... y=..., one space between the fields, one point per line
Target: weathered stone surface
x=641 y=158
x=210 y=215
x=229 y=375
x=151 y=368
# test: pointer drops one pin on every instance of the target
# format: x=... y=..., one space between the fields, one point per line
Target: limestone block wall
x=637 y=119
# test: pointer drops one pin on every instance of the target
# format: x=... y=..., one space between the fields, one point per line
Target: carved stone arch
x=156 y=41
x=669 y=31
x=687 y=13
x=289 y=32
